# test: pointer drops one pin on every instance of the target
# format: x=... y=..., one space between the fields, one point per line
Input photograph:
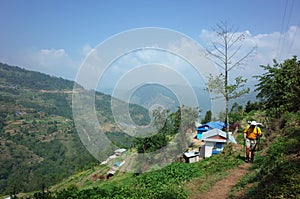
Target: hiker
x=252 y=134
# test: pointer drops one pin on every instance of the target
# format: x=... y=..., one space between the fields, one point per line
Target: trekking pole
x=244 y=148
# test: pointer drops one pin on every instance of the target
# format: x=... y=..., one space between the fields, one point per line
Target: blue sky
x=54 y=36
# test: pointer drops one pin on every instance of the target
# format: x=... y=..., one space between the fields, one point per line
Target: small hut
x=215 y=141
x=191 y=156
x=209 y=126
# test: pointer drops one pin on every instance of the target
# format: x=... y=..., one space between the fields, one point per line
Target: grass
x=169 y=182
x=276 y=170
x=244 y=183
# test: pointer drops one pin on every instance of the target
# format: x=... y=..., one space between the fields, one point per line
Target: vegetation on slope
x=15 y=77
x=39 y=144
x=276 y=172
x=168 y=182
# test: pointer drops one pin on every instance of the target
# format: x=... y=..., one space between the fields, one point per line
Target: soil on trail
x=221 y=189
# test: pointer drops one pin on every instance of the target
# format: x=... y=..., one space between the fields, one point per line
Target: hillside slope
x=39 y=144
x=275 y=172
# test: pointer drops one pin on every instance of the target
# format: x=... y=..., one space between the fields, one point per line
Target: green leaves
x=207 y=117
x=277 y=173
x=217 y=85
x=168 y=126
x=279 y=87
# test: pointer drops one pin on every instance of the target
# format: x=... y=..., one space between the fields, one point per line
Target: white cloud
x=56 y=62
x=45 y=57
x=53 y=52
x=183 y=55
x=51 y=61
x=270 y=46
x=86 y=50
x=275 y=45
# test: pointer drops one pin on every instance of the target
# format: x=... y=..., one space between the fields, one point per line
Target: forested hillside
x=39 y=144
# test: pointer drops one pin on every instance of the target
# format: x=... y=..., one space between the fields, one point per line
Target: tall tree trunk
x=226 y=54
x=226 y=87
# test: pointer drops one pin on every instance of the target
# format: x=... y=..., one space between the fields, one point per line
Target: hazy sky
x=54 y=36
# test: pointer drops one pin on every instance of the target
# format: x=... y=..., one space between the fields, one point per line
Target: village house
x=215 y=141
x=209 y=126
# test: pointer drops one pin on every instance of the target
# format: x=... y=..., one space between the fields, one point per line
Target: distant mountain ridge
x=18 y=77
x=154 y=94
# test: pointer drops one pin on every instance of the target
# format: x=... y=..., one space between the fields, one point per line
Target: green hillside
x=275 y=172
x=39 y=144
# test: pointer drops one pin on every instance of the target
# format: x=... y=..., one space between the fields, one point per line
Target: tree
x=159 y=116
x=188 y=117
x=236 y=113
x=207 y=117
x=168 y=125
x=252 y=106
x=279 y=87
x=226 y=54
x=159 y=140
x=236 y=108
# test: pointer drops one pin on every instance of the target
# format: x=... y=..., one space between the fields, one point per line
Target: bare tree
x=226 y=53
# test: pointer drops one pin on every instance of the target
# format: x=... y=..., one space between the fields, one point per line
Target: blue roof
x=212 y=125
x=117 y=164
x=203 y=128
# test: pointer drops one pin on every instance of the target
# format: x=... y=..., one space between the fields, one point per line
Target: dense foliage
x=207 y=117
x=252 y=106
x=279 y=87
x=121 y=139
x=168 y=126
x=276 y=172
x=37 y=148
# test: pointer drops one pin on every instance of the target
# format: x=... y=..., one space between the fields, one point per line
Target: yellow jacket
x=252 y=133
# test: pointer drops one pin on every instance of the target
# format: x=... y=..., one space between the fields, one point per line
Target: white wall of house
x=194 y=159
x=208 y=149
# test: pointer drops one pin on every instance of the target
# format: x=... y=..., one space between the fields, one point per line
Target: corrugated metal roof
x=212 y=125
x=206 y=136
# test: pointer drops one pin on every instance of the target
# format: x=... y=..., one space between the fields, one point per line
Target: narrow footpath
x=221 y=189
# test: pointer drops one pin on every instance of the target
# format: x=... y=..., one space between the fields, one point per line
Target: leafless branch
x=219 y=57
x=240 y=60
x=234 y=53
x=239 y=38
x=218 y=49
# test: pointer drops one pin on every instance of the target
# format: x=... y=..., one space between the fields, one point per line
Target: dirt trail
x=221 y=189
